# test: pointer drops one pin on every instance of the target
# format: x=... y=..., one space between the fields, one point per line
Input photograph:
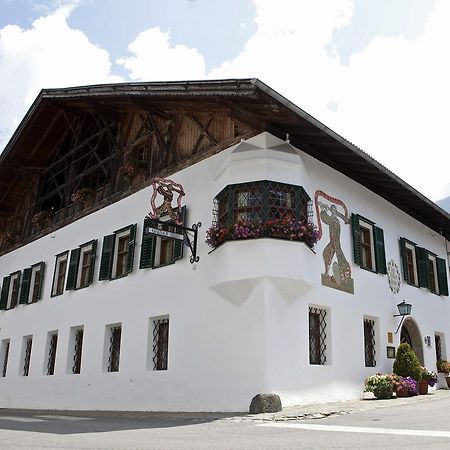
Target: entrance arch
x=411 y=335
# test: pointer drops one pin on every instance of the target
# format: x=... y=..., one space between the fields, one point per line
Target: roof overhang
x=249 y=99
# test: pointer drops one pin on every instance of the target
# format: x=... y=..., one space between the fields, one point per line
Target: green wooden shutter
x=131 y=246
x=442 y=276
x=380 y=254
x=404 y=259
x=5 y=291
x=15 y=298
x=422 y=267
x=73 y=269
x=178 y=246
x=39 y=286
x=147 y=258
x=107 y=257
x=92 y=262
x=25 y=288
x=356 y=239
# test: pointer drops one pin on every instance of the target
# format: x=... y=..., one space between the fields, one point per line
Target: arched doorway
x=411 y=335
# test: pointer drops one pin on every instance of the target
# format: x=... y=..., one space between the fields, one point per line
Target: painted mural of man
x=341 y=269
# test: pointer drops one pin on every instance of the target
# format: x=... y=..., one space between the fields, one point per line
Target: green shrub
x=406 y=363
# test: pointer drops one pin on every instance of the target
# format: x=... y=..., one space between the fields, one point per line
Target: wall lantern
x=404 y=310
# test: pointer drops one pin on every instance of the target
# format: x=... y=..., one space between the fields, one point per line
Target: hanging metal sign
x=167 y=189
x=164 y=233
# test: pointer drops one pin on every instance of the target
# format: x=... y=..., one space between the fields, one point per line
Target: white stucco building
x=98 y=314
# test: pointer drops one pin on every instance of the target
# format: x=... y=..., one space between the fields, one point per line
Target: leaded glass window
x=369 y=343
x=317 y=336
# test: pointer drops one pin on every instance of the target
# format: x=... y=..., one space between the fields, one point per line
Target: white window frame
x=368 y=226
x=416 y=275
x=59 y=259
x=432 y=258
x=118 y=236
x=83 y=250
x=158 y=243
x=14 y=276
x=34 y=270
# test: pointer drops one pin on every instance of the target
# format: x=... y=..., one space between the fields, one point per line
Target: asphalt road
x=414 y=425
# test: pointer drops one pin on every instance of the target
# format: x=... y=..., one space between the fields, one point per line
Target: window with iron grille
x=115 y=333
x=160 y=343
x=51 y=356
x=28 y=342
x=438 y=346
x=4 y=356
x=317 y=336
x=77 y=350
x=369 y=343
x=266 y=208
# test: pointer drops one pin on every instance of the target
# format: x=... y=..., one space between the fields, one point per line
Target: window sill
x=264 y=237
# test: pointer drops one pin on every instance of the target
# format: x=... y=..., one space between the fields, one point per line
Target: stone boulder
x=265 y=403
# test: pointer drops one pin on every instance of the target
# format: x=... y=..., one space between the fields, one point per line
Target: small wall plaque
x=390 y=351
x=390 y=337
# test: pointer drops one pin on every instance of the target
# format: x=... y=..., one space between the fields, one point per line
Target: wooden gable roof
x=249 y=101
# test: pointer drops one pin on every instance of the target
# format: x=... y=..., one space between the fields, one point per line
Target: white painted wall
x=238 y=318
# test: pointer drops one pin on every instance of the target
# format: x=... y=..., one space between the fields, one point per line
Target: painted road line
x=343 y=429
x=21 y=419
x=74 y=418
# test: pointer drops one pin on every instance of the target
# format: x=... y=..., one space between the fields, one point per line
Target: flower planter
x=447 y=379
x=442 y=381
x=402 y=392
x=423 y=387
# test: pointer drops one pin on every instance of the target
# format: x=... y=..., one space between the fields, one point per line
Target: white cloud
x=391 y=100
x=155 y=60
x=49 y=54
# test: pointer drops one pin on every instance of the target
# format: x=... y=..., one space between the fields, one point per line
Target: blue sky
x=374 y=71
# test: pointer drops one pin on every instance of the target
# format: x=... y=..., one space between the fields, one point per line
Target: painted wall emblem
x=330 y=211
x=166 y=189
x=393 y=275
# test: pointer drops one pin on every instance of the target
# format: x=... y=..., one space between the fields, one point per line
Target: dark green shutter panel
x=422 y=267
x=73 y=269
x=179 y=245
x=356 y=239
x=15 y=298
x=442 y=276
x=147 y=248
x=131 y=245
x=25 y=288
x=107 y=257
x=5 y=291
x=39 y=287
x=380 y=254
x=92 y=262
x=404 y=259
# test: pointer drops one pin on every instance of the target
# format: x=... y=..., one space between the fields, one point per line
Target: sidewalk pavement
x=322 y=410
x=290 y=413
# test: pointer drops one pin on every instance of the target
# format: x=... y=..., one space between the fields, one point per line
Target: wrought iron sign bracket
x=189 y=236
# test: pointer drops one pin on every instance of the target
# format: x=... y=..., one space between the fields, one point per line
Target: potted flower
x=382 y=385
x=84 y=197
x=133 y=171
x=41 y=218
x=216 y=235
x=429 y=378
x=443 y=368
x=406 y=387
